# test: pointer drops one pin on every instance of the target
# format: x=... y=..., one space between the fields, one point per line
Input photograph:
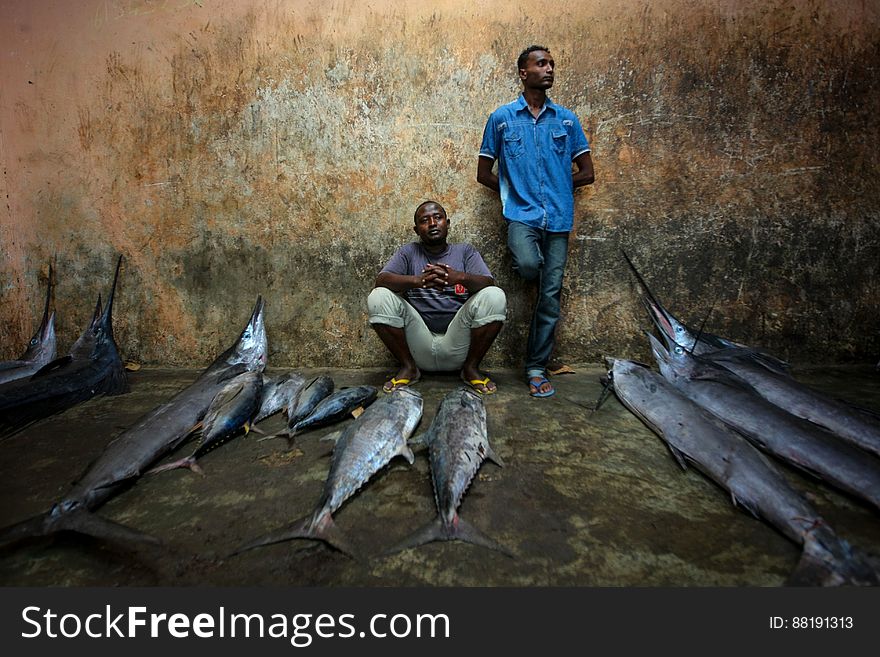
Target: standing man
x=435 y=305
x=535 y=142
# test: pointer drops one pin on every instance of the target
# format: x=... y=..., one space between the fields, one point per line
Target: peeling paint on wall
x=229 y=149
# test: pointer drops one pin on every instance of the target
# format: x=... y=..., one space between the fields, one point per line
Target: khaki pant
x=438 y=352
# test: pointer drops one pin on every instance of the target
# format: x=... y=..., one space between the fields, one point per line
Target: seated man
x=435 y=305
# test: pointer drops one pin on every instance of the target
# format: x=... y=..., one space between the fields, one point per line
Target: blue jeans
x=540 y=255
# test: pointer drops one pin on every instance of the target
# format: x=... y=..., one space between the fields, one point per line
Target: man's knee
x=489 y=305
x=527 y=267
x=384 y=307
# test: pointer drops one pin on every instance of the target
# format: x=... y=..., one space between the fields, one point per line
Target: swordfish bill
x=696 y=437
x=41 y=348
x=93 y=367
x=128 y=455
x=700 y=343
x=365 y=447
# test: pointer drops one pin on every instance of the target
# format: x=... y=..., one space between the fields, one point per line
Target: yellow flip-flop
x=473 y=383
x=395 y=383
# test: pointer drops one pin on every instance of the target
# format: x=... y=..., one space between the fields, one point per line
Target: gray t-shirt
x=437 y=307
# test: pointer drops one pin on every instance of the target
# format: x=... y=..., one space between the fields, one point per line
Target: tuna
x=230 y=412
x=458 y=443
x=128 y=455
x=308 y=399
x=365 y=447
x=93 y=367
x=336 y=407
x=41 y=348
x=696 y=437
x=277 y=394
x=774 y=430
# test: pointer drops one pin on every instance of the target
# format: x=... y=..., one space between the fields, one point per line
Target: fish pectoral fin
x=334 y=436
x=679 y=456
x=407 y=453
x=492 y=456
x=48 y=368
x=257 y=429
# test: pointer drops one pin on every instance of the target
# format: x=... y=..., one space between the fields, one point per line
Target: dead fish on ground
x=277 y=394
x=93 y=367
x=792 y=439
x=308 y=398
x=41 y=347
x=128 y=455
x=230 y=411
x=336 y=407
x=364 y=448
x=696 y=437
x=458 y=442
x=699 y=343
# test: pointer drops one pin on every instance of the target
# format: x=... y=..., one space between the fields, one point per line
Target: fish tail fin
x=80 y=521
x=188 y=462
x=837 y=565
x=464 y=531
x=318 y=526
x=437 y=530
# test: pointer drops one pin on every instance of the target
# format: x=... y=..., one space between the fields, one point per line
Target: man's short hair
x=524 y=55
x=423 y=204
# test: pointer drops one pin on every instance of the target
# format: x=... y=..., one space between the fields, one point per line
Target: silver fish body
x=696 y=437
x=792 y=439
x=854 y=425
x=336 y=407
x=308 y=398
x=277 y=394
x=40 y=349
x=365 y=447
x=155 y=434
x=458 y=443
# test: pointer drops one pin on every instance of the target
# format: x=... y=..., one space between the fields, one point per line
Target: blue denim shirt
x=534 y=162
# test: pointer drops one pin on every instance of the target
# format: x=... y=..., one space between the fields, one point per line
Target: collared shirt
x=534 y=162
x=437 y=307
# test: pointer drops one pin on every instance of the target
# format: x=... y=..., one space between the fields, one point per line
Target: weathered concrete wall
x=231 y=148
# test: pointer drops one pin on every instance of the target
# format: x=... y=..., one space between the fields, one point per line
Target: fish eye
x=34 y=341
x=247 y=335
x=679 y=351
x=678 y=329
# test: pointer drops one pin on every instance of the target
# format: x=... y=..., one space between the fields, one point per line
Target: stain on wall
x=230 y=149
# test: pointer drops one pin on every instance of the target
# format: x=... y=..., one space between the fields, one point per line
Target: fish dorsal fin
x=492 y=456
x=56 y=364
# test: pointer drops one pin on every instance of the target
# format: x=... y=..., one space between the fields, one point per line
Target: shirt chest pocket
x=559 y=140
x=513 y=143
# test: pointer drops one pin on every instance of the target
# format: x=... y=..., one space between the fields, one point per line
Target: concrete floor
x=583 y=500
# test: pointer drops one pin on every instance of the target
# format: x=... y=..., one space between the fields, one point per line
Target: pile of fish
x=228 y=399
x=716 y=403
x=38 y=386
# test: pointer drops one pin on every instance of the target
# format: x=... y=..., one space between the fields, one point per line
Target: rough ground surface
x=584 y=500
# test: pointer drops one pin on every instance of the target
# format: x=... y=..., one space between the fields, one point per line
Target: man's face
x=431 y=224
x=538 y=71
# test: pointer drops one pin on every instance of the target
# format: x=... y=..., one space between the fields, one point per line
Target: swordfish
x=40 y=349
x=128 y=455
x=696 y=437
x=93 y=367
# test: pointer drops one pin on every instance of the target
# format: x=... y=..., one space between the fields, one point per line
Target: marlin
x=458 y=443
x=696 y=437
x=848 y=422
x=700 y=343
x=365 y=447
x=93 y=367
x=128 y=455
x=41 y=348
x=774 y=430
x=231 y=410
